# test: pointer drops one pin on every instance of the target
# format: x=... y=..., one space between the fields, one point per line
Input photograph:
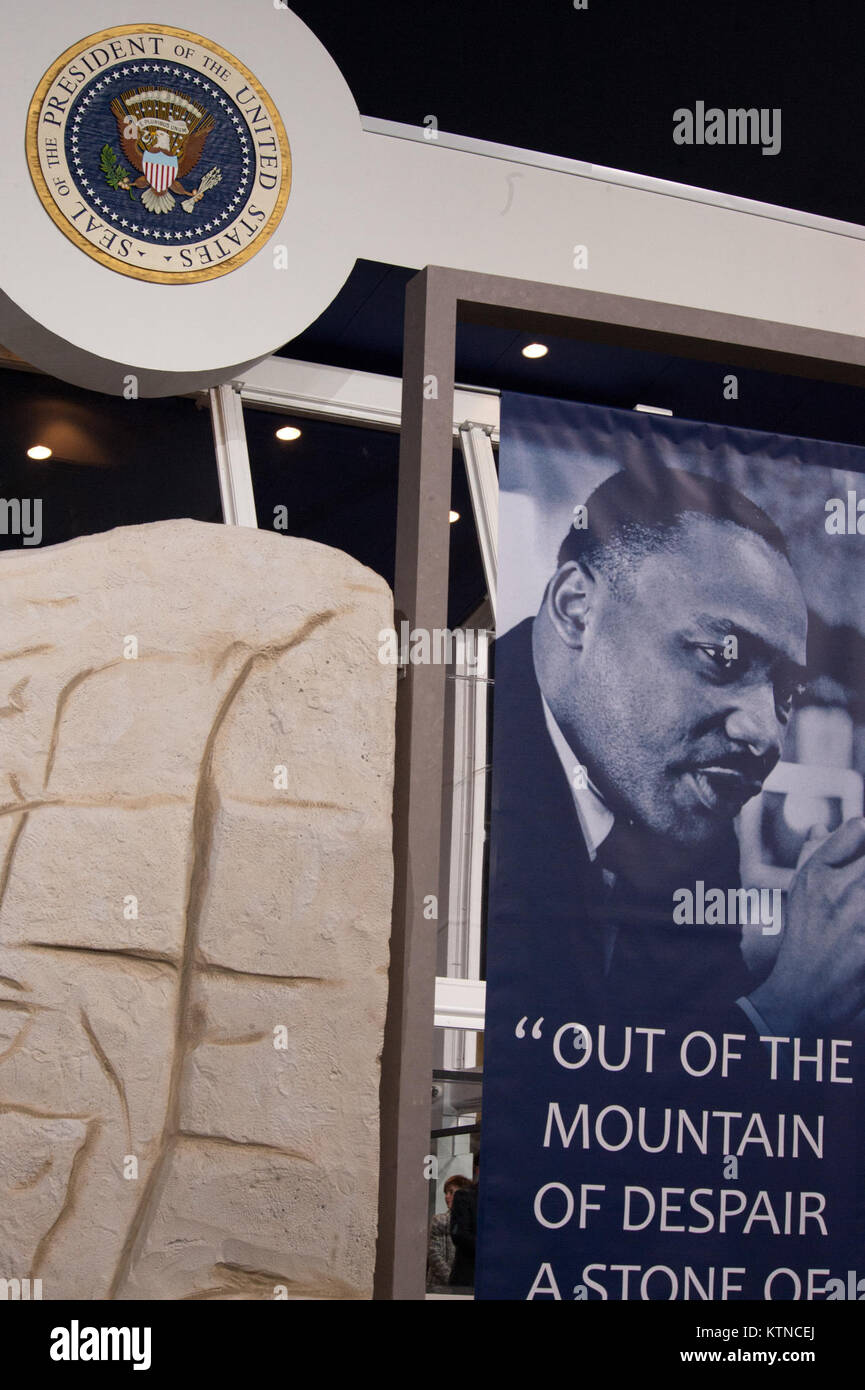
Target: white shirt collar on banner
x=596 y=818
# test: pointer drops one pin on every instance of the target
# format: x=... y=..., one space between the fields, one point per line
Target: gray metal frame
x=435 y=300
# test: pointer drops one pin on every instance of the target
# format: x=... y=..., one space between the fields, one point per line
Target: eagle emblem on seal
x=162 y=134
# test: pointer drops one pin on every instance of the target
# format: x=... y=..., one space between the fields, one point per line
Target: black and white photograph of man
x=645 y=703
x=676 y=927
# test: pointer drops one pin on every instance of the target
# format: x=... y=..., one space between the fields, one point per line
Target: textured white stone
x=196 y=852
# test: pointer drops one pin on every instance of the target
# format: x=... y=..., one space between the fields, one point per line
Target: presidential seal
x=158 y=153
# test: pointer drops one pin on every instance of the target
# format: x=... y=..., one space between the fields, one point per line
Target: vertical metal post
x=232 y=457
x=420 y=596
x=484 y=488
x=467 y=832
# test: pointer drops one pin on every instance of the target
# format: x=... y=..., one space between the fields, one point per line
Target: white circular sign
x=176 y=225
x=157 y=152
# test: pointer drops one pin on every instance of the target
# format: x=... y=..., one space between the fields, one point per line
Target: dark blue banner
x=676 y=941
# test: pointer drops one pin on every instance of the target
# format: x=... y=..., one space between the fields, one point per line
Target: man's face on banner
x=683 y=683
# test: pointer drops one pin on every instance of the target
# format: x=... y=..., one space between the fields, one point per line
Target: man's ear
x=568 y=601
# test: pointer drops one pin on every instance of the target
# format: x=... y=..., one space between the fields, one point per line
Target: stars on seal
x=117 y=171
x=89 y=184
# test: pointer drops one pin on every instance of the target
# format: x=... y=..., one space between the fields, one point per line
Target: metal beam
x=420 y=596
x=480 y=467
x=232 y=457
x=622 y=321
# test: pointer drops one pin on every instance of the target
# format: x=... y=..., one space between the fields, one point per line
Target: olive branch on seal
x=115 y=174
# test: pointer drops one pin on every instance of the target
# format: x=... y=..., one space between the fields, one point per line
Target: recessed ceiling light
x=453 y=516
x=288 y=432
x=535 y=350
x=39 y=451
x=654 y=409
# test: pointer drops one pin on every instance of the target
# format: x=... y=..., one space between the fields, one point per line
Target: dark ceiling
x=362 y=329
x=601 y=84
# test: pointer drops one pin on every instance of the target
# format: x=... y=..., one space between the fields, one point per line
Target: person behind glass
x=442 y=1252
x=463 y=1231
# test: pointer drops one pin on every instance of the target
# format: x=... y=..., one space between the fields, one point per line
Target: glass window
x=338 y=484
x=112 y=462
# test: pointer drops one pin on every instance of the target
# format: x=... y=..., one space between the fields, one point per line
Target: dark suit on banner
x=555 y=922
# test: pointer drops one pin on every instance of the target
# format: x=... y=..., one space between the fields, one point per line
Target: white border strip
x=558 y=164
x=360 y=398
x=460 y=1003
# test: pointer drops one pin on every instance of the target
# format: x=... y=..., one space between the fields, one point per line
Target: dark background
x=601 y=84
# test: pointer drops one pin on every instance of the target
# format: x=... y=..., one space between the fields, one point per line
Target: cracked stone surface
x=196 y=764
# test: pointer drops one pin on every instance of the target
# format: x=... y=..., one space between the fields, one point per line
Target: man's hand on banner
x=815 y=836
x=818 y=980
